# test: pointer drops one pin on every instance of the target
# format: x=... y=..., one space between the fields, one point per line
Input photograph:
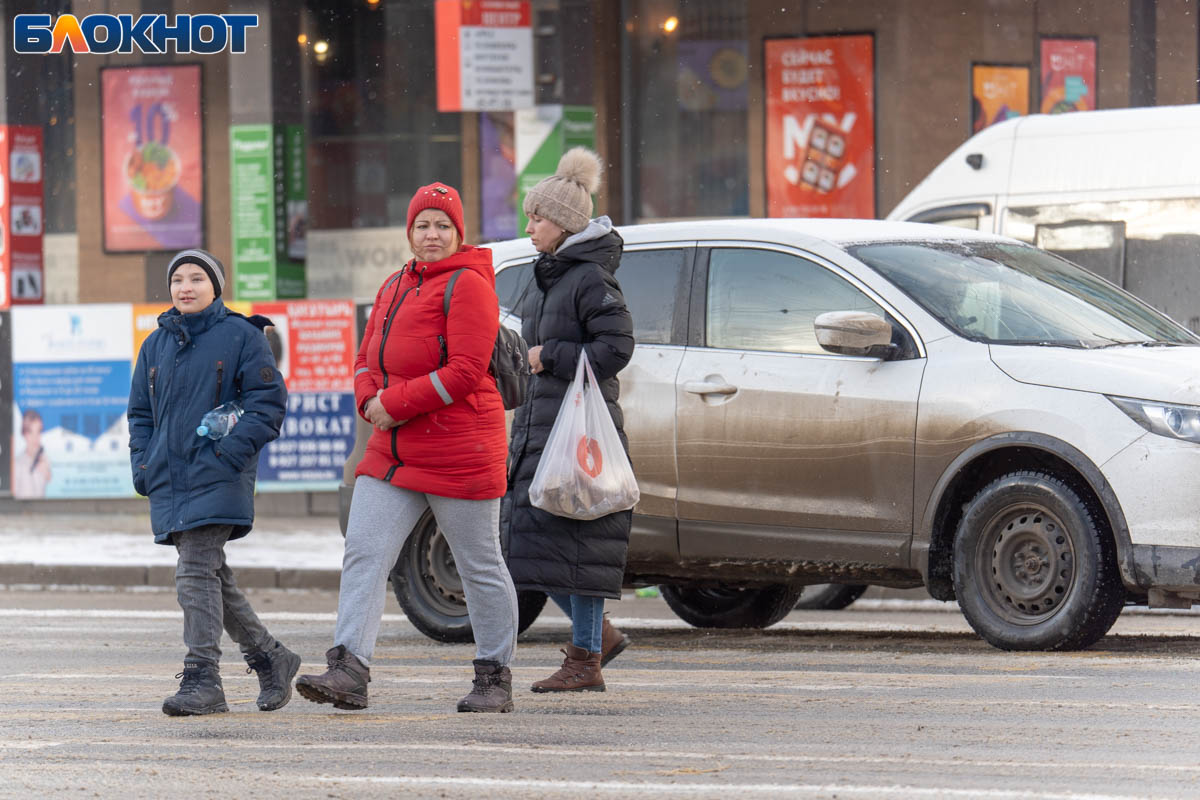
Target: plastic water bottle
x=220 y=420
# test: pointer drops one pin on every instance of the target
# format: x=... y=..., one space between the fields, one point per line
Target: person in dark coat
x=574 y=306
x=202 y=490
x=421 y=378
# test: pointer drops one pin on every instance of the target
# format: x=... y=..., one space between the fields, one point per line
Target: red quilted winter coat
x=433 y=370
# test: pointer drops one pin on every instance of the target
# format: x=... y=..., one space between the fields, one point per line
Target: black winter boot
x=275 y=668
x=344 y=684
x=492 y=690
x=200 y=691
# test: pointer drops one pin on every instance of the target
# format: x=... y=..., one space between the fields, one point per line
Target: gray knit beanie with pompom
x=565 y=198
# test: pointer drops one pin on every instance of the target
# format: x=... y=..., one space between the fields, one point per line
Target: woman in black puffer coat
x=575 y=304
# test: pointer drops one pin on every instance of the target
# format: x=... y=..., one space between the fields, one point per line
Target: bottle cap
x=202 y=430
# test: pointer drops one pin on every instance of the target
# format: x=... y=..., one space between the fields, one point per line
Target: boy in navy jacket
x=202 y=491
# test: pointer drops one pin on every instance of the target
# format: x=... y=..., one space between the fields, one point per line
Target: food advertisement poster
x=71 y=367
x=1068 y=75
x=998 y=92
x=313 y=343
x=152 y=152
x=820 y=126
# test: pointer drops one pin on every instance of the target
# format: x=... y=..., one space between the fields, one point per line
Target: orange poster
x=821 y=126
x=1068 y=75
x=997 y=93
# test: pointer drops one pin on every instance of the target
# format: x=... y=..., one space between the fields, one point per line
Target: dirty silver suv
x=903 y=405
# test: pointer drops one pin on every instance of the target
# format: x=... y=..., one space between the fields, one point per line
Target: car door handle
x=707 y=387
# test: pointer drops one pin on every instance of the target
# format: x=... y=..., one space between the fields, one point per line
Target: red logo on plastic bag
x=588 y=456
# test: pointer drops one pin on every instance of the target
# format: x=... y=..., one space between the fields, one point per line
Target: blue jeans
x=587 y=618
x=210 y=597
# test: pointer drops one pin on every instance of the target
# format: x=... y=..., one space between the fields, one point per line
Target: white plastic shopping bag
x=584 y=472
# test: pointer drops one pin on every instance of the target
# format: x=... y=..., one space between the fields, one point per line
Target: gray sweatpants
x=381 y=518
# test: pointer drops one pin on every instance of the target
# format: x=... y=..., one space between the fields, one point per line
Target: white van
x=1115 y=191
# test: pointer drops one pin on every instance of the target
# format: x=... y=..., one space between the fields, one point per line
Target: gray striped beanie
x=206 y=261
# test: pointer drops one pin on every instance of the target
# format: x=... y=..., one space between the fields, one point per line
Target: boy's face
x=191 y=290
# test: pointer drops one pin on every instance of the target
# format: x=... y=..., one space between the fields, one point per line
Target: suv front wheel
x=430 y=591
x=1035 y=566
x=729 y=607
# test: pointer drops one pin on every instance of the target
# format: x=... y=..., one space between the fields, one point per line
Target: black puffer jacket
x=575 y=303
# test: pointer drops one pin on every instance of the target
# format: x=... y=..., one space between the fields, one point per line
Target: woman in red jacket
x=421 y=379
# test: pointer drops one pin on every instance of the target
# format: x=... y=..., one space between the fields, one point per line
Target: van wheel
x=829 y=596
x=430 y=592
x=1035 y=566
x=731 y=607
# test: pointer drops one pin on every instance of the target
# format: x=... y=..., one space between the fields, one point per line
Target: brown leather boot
x=492 y=691
x=612 y=642
x=580 y=672
x=344 y=684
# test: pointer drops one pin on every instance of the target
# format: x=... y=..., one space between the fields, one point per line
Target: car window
x=651 y=282
x=767 y=300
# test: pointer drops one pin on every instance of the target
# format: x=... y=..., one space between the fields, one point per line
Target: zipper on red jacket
x=389 y=318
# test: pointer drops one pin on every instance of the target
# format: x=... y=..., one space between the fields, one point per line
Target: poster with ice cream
x=820 y=119
x=152 y=131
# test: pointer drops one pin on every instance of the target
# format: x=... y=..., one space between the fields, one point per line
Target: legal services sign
x=203 y=34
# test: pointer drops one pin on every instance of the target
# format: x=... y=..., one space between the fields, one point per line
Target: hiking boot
x=492 y=690
x=612 y=642
x=275 y=669
x=580 y=672
x=200 y=691
x=344 y=684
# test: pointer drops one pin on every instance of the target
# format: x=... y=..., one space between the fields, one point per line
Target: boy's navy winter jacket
x=191 y=364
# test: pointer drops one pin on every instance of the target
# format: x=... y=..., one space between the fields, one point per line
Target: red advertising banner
x=153 y=170
x=21 y=223
x=315 y=344
x=997 y=93
x=1068 y=75
x=820 y=94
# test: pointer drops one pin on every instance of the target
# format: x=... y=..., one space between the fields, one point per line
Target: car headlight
x=1165 y=419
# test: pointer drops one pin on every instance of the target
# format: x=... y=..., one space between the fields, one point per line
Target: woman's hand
x=535 y=359
x=378 y=416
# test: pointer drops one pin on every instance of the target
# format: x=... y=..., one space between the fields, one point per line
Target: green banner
x=542 y=135
x=269 y=201
x=251 y=203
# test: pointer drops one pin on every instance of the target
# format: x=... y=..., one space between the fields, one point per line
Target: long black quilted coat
x=574 y=303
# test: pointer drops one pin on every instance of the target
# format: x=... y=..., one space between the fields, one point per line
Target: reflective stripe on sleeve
x=361 y=370
x=441 y=390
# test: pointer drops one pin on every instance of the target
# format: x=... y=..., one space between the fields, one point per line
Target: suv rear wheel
x=1035 y=567
x=429 y=589
x=730 y=607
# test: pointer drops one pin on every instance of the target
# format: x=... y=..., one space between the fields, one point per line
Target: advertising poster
x=291 y=211
x=542 y=135
x=21 y=207
x=998 y=93
x=315 y=345
x=153 y=168
x=1068 y=75
x=252 y=188
x=5 y=401
x=498 y=168
x=820 y=105
x=71 y=372
x=712 y=75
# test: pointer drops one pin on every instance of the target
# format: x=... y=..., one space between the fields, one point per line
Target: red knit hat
x=439 y=196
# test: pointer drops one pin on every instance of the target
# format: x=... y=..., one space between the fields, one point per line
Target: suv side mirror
x=855 y=333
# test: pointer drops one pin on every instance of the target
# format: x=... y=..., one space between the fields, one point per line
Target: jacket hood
x=1166 y=374
x=598 y=243
x=476 y=259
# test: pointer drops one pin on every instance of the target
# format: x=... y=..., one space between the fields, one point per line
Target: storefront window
x=688 y=93
x=371 y=107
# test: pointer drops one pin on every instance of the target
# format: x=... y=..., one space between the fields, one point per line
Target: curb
x=160 y=576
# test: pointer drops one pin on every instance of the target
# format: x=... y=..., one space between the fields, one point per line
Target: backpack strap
x=449 y=290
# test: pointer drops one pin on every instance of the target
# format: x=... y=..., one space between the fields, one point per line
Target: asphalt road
x=871 y=702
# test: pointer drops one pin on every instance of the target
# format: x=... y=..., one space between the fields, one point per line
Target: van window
x=1156 y=255
x=767 y=300
x=960 y=215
